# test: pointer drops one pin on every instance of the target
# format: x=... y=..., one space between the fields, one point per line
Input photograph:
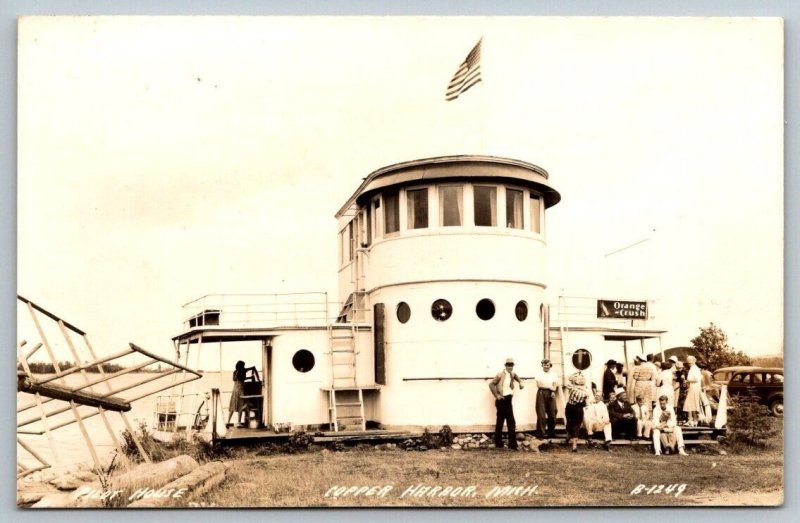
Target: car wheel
x=776 y=408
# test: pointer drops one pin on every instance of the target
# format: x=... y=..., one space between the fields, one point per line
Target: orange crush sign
x=629 y=310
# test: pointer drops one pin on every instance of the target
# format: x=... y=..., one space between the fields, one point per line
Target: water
x=70 y=444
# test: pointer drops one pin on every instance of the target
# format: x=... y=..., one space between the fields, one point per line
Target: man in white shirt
x=502 y=387
x=666 y=431
x=547 y=381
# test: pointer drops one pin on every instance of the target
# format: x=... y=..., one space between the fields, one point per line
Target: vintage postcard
x=416 y=261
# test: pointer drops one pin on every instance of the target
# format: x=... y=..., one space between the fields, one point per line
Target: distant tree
x=712 y=343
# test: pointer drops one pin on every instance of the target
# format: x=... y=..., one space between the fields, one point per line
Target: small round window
x=441 y=310
x=403 y=312
x=485 y=309
x=521 y=310
x=303 y=360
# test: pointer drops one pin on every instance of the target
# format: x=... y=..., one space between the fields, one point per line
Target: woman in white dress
x=694 y=379
x=665 y=381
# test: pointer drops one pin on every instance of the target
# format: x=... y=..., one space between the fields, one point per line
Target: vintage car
x=765 y=383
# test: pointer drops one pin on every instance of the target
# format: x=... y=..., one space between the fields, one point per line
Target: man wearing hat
x=623 y=419
x=609 y=379
x=547 y=382
x=502 y=387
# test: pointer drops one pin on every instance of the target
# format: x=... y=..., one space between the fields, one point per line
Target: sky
x=162 y=159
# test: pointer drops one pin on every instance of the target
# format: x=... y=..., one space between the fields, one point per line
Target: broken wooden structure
x=57 y=402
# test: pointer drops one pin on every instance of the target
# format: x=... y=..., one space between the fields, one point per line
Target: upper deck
x=245 y=317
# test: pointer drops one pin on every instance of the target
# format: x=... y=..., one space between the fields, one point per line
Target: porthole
x=485 y=309
x=403 y=312
x=303 y=361
x=521 y=310
x=441 y=310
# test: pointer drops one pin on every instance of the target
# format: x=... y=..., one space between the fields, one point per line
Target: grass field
x=590 y=477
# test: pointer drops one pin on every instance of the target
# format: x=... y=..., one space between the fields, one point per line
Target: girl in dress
x=578 y=396
x=694 y=379
x=665 y=382
x=237 y=403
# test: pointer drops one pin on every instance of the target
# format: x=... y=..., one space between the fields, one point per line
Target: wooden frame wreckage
x=56 y=402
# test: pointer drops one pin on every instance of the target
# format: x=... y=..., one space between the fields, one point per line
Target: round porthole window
x=303 y=361
x=403 y=312
x=521 y=310
x=441 y=310
x=485 y=309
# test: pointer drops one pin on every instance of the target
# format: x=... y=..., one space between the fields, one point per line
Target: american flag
x=467 y=75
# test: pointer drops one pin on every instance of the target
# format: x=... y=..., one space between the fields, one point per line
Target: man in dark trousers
x=609 y=380
x=502 y=387
x=547 y=382
x=623 y=419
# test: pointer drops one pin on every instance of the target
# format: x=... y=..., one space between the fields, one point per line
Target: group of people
x=684 y=385
x=652 y=414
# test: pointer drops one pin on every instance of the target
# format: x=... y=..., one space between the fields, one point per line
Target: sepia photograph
x=306 y=261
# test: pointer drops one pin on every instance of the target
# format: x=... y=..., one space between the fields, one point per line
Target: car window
x=755 y=378
x=771 y=377
x=722 y=376
x=739 y=378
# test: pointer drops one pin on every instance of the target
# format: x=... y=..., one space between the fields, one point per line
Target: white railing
x=260 y=310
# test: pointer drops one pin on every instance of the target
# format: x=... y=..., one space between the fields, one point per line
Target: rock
x=87 y=476
x=526 y=443
x=723 y=453
x=44 y=475
x=61 y=500
x=455 y=446
x=74 y=479
x=66 y=482
x=520 y=436
x=32 y=491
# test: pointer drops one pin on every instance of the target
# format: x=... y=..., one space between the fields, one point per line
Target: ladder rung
x=348 y=417
x=344 y=350
x=348 y=404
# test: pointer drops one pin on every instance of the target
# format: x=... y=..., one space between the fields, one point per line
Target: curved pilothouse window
x=350 y=241
x=485 y=202
x=391 y=212
x=536 y=213
x=451 y=205
x=417 y=203
x=514 y=209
